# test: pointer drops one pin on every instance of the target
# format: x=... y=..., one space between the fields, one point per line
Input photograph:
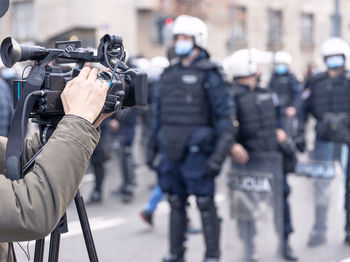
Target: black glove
x=213 y=168
x=300 y=144
x=220 y=152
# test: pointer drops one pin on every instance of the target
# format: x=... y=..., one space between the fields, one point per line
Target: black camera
x=127 y=87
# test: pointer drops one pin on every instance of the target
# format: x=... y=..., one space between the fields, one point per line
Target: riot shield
x=326 y=164
x=324 y=161
x=256 y=191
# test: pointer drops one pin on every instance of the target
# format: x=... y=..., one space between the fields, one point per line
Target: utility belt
x=334 y=127
x=177 y=141
x=260 y=144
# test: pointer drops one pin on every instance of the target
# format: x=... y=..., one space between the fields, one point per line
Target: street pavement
x=120 y=235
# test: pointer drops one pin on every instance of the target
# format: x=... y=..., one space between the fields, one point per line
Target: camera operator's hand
x=84 y=96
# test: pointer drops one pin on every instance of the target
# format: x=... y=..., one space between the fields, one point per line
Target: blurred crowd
x=202 y=112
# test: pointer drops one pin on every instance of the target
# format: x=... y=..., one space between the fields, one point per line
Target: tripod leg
x=39 y=250
x=89 y=242
x=54 y=245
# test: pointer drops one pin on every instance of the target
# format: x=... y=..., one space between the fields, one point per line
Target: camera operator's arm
x=32 y=206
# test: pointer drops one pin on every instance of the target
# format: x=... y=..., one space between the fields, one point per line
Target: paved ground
x=120 y=235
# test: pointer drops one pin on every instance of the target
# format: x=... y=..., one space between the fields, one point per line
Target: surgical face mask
x=335 y=61
x=281 y=69
x=183 y=47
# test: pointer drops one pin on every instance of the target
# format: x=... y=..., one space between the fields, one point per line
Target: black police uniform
x=125 y=136
x=329 y=101
x=287 y=88
x=191 y=124
x=258 y=113
x=100 y=155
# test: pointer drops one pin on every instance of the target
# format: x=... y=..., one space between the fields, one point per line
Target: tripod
x=47 y=126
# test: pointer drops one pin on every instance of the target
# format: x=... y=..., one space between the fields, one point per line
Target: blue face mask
x=335 y=61
x=281 y=69
x=183 y=47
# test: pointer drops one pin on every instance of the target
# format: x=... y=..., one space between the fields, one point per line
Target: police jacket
x=31 y=207
x=328 y=100
x=287 y=88
x=257 y=112
x=191 y=108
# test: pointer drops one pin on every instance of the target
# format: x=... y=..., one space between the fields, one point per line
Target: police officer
x=258 y=115
x=191 y=122
x=284 y=83
x=154 y=71
x=328 y=99
x=98 y=159
x=123 y=125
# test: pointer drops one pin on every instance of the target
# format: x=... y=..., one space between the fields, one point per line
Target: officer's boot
x=177 y=229
x=287 y=251
x=347 y=210
x=318 y=233
x=211 y=227
x=347 y=225
x=127 y=192
x=248 y=233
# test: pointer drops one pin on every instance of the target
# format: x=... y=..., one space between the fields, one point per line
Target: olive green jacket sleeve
x=31 y=207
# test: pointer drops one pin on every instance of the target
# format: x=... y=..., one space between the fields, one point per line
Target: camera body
x=127 y=86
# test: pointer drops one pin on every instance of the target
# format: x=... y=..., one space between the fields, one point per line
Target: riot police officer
x=258 y=114
x=284 y=83
x=123 y=125
x=328 y=100
x=191 y=122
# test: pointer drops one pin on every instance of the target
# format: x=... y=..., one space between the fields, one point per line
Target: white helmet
x=243 y=63
x=158 y=63
x=142 y=63
x=192 y=26
x=282 y=57
x=335 y=46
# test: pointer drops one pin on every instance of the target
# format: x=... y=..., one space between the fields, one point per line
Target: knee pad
x=205 y=202
x=176 y=202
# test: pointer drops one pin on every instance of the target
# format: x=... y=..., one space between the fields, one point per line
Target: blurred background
x=296 y=26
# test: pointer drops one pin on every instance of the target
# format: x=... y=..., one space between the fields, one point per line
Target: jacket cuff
x=80 y=130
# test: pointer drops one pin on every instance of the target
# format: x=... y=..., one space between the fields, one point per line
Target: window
x=23 y=20
x=275 y=26
x=239 y=23
x=307 y=29
x=238 y=27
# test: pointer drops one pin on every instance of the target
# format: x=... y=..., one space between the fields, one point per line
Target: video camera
x=127 y=87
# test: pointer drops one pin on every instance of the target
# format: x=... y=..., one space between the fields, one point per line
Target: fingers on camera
x=84 y=73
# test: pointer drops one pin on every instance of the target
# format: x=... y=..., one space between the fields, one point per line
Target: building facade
x=298 y=26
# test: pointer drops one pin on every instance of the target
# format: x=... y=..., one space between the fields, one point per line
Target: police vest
x=329 y=95
x=281 y=85
x=184 y=106
x=184 y=99
x=256 y=114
